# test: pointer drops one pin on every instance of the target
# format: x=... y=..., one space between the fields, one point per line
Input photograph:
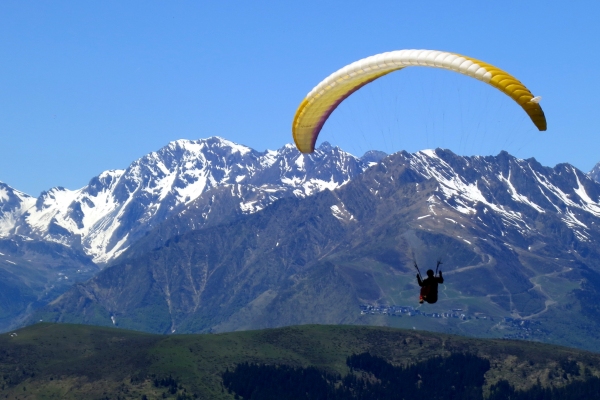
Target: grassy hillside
x=61 y=361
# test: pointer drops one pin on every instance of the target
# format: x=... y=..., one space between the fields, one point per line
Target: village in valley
x=515 y=328
x=410 y=311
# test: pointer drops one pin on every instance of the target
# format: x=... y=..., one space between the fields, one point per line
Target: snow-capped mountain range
x=119 y=206
x=514 y=190
x=518 y=241
x=521 y=239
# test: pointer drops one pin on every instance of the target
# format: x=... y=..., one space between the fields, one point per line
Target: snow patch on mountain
x=340 y=212
x=516 y=195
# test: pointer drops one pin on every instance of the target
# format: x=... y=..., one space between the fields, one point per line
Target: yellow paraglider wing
x=320 y=102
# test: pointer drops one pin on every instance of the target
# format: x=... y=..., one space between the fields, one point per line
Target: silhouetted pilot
x=429 y=286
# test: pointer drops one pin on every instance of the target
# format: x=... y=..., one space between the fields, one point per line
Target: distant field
x=62 y=361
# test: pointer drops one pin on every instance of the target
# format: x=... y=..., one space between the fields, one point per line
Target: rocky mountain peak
x=373 y=156
x=13 y=204
x=595 y=173
x=119 y=206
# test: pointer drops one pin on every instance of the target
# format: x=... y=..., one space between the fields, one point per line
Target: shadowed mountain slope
x=32 y=273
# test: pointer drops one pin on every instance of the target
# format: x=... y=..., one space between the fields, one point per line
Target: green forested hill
x=61 y=361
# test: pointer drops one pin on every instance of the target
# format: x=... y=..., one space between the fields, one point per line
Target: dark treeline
x=276 y=382
x=460 y=376
x=578 y=390
x=166 y=382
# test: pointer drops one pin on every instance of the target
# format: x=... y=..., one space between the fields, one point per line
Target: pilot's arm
x=419 y=280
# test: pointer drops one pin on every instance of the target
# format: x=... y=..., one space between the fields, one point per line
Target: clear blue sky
x=90 y=86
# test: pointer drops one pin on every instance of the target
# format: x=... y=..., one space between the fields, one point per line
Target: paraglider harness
x=428 y=285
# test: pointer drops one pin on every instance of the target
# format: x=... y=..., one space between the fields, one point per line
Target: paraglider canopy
x=320 y=102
